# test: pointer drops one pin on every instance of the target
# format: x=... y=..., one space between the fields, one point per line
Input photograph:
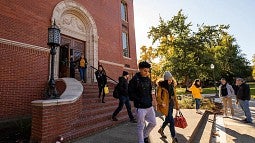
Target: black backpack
x=116 y=92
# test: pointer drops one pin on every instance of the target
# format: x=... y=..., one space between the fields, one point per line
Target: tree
x=253 y=67
x=188 y=55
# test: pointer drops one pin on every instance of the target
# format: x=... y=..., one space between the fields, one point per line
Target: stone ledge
x=71 y=94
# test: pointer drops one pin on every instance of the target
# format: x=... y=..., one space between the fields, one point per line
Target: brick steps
x=95 y=116
x=90 y=120
x=92 y=129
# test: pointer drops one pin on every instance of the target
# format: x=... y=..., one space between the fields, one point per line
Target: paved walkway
x=127 y=133
x=232 y=130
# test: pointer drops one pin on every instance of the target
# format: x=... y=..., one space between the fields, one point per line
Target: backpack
x=116 y=92
x=129 y=89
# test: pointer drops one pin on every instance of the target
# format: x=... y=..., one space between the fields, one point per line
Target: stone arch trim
x=75 y=21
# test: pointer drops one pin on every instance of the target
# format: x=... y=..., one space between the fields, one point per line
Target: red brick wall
x=51 y=121
x=27 y=21
x=22 y=79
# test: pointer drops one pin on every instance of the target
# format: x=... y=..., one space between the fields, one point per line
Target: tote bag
x=106 y=89
x=180 y=121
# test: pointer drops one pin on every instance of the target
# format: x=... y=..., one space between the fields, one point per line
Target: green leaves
x=188 y=54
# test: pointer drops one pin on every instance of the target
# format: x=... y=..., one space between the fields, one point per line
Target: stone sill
x=71 y=94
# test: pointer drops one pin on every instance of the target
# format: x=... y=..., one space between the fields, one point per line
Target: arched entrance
x=79 y=36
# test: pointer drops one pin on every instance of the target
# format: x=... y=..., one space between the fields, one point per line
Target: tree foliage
x=188 y=54
x=253 y=67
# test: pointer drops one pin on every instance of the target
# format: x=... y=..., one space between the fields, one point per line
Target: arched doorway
x=78 y=27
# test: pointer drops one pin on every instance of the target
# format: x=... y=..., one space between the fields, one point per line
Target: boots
x=161 y=132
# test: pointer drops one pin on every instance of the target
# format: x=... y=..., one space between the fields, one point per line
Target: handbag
x=106 y=89
x=180 y=121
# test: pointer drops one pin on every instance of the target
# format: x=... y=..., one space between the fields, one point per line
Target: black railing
x=106 y=75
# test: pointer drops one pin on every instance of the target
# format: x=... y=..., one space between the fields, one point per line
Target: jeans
x=227 y=103
x=170 y=119
x=197 y=103
x=101 y=89
x=124 y=100
x=245 y=107
x=143 y=115
x=82 y=73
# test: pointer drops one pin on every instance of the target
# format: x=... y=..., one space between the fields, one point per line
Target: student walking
x=101 y=81
x=226 y=92
x=140 y=91
x=196 y=93
x=167 y=99
x=243 y=97
x=123 y=97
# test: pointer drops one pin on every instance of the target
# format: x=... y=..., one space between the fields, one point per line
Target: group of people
x=241 y=91
x=139 y=90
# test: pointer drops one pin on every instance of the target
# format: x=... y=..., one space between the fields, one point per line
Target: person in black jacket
x=243 y=97
x=140 y=91
x=101 y=81
x=123 y=97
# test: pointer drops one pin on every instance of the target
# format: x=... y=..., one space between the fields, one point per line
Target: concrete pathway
x=233 y=130
x=127 y=132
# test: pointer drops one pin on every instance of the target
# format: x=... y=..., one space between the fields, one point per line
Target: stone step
x=97 y=111
x=91 y=129
x=86 y=121
x=97 y=104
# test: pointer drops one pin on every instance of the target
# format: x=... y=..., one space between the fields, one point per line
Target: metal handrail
x=106 y=75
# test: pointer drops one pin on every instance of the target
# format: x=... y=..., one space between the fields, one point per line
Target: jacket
x=196 y=92
x=163 y=98
x=230 y=90
x=244 y=92
x=101 y=78
x=123 y=86
x=140 y=91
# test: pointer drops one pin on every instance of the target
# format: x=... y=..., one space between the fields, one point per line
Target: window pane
x=125 y=44
x=123 y=11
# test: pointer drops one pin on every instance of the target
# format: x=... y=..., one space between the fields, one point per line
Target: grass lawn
x=210 y=90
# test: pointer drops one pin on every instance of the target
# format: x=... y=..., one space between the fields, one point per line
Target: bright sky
x=240 y=14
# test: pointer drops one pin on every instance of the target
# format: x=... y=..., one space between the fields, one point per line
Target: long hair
x=103 y=71
x=196 y=83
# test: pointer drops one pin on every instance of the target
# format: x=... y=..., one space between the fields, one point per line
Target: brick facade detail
x=22 y=79
x=51 y=121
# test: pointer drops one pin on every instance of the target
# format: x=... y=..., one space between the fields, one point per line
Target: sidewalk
x=127 y=132
x=233 y=130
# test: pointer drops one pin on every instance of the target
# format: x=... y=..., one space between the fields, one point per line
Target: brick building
x=102 y=30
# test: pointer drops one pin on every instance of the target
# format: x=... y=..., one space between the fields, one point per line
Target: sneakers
x=161 y=132
x=133 y=121
x=199 y=112
x=146 y=140
x=174 y=140
x=114 y=119
x=248 y=122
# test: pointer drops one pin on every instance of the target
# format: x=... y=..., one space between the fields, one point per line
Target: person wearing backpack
x=123 y=97
x=167 y=99
x=226 y=92
x=140 y=91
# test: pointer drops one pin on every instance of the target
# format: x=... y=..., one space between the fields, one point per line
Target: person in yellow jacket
x=196 y=93
x=166 y=100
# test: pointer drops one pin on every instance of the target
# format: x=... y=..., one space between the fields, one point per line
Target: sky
x=239 y=14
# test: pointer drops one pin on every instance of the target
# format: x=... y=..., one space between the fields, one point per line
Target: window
x=123 y=9
x=125 y=44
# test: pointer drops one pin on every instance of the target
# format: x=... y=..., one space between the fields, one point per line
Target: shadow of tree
x=239 y=138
